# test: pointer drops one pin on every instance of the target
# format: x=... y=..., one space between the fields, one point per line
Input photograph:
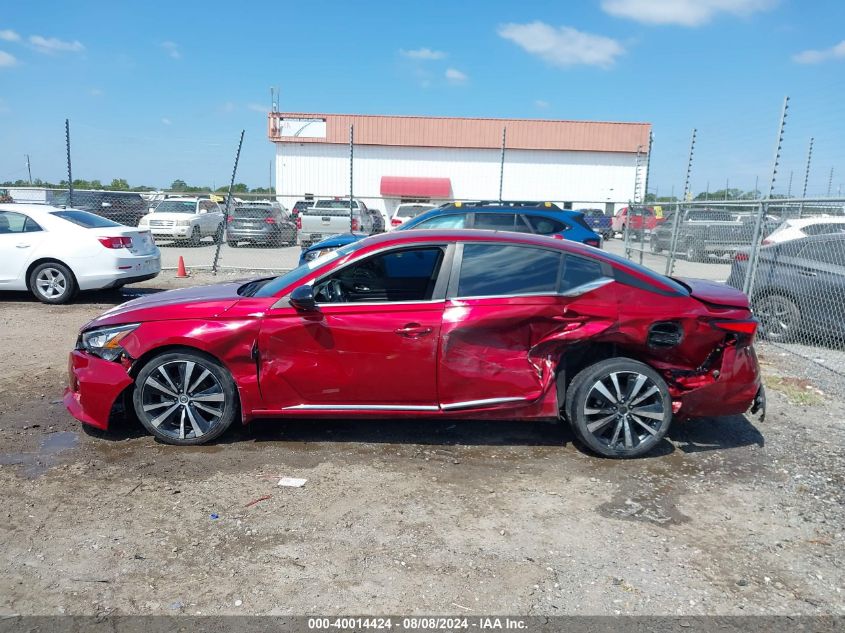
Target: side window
x=546 y=226
x=404 y=275
x=578 y=271
x=451 y=221
x=828 y=252
x=520 y=270
x=523 y=225
x=495 y=221
x=11 y=222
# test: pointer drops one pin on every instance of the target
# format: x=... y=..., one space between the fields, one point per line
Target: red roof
x=416 y=131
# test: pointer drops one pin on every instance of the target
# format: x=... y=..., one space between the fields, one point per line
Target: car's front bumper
x=94 y=385
x=169 y=231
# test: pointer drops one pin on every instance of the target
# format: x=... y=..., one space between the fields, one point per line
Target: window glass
x=177 y=206
x=827 y=252
x=824 y=228
x=11 y=222
x=403 y=275
x=546 y=226
x=84 y=219
x=500 y=269
x=578 y=271
x=451 y=221
x=494 y=221
x=522 y=225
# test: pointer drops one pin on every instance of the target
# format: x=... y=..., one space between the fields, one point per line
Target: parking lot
x=729 y=516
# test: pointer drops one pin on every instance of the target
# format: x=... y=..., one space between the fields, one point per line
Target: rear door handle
x=413 y=330
x=22 y=245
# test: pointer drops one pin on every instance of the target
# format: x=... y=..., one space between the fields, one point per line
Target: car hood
x=714 y=293
x=185 y=303
x=336 y=241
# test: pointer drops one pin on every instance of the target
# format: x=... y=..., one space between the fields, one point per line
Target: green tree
x=119 y=184
x=178 y=185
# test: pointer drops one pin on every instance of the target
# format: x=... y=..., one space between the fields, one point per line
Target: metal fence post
x=645 y=187
x=351 y=161
x=69 y=174
x=806 y=178
x=502 y=163
x=673 y=244
x=228 y=205
x=751 y=271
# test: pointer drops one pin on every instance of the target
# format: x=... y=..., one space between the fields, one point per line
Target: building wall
x=587 y=179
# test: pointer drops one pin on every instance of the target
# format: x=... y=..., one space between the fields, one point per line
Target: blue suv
x=542 y=218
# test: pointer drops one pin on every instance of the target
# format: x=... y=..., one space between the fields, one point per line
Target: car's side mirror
x=302 y=298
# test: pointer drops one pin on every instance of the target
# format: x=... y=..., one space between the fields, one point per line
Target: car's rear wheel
x=52 y=282
x=619 y=407
x=693 y=252
x=655 y=245
x=779 y=318
x=185 y=398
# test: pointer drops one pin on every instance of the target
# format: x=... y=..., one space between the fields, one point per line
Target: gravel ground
x=730 y=516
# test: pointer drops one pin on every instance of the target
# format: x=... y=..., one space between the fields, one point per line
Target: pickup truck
x=600 y=222
x=331 y=217
x=637 y=219
x=705 y=232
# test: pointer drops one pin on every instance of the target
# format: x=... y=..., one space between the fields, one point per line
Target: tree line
x=121 y=184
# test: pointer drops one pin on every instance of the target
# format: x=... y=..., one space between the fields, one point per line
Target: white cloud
x=257 y=107
x=8 y=35
x=455 y=76
x=55 y=45
x=541 y=103
x=422 y=53
x=817 y=56
x=7 y=60
x=172 y=49
x=563 y=46
x=682 y=12
x=166 y=121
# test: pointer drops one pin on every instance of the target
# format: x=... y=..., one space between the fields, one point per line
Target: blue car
x=542 y=218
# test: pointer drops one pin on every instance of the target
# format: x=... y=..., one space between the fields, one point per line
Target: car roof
x=478 y=235
x=31 y=208
x=799 y=222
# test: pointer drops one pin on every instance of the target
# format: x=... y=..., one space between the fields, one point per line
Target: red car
x=636 y=220
x=429 y=324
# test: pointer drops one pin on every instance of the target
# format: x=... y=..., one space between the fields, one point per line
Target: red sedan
x=429 y=324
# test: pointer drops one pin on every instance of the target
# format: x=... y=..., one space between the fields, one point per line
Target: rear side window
x=546 y=226
x=828 y=252
x=84 y=219
x=489 y=270
x=578 y=271
x=452 y=221
x=824 y=228
x=495 y=221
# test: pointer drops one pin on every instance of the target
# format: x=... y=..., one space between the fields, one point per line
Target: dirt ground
x=728 y=517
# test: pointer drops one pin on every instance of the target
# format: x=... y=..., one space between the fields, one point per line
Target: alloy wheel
x=623 y=409
x=51 y=283
x=778 y=317
x=183 y=399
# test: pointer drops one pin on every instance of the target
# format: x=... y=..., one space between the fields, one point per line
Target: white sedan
x=797 y=228
x=55 y=252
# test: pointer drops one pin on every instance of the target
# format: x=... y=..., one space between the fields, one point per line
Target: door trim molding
x=468 y=404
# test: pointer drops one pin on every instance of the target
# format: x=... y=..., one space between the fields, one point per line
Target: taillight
x=766 y=242
x=116 y=242
x=230 y=219
x=270 y=220
x=747 y=329
x=741 y=256
x=355 y=224
x=395 y=222
x=299 y=222
x=592 y=242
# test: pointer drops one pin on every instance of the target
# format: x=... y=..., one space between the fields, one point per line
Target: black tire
x=655 y=245
x=196 y=237
x=52 y=282
x=692 y=252
x=171 y=410
x=218 y=234
x=232 y=243
x=630 y=427
x=780 y=317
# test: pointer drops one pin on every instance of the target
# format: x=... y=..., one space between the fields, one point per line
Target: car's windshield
x=177 y=206
x=283 y=281
x=84 y=219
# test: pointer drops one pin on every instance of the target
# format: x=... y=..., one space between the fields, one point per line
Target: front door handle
x=22 y=245
x=413 y=330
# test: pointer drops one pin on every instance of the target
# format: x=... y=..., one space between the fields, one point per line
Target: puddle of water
x=37 y=462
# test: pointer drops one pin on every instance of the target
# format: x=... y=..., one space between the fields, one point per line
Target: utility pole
x=29 y=169
x=830 y=183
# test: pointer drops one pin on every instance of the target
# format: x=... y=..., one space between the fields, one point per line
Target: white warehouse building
x=577 y=164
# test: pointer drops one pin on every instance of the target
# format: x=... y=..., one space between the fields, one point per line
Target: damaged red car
x=429 y=324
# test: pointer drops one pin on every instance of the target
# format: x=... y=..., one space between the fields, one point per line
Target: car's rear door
x=508 y=307
x=371 y=345
x=820 y=279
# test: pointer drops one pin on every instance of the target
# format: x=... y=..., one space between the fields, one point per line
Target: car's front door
x=20 y=237
x=372 y=342
x=508 y=308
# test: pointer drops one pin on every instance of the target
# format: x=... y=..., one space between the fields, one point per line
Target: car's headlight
x=144 y=221
x=183 y=223
x=105 y=342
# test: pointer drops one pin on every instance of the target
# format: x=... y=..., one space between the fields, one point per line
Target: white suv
x=189 y=219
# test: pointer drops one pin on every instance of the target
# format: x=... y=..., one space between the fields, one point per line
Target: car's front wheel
x=779 y=318
x=655 y=245
x=52 y=282
x=185 y=398
x=619 y=407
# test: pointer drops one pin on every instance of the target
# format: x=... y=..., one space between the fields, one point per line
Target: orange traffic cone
x=180 y=268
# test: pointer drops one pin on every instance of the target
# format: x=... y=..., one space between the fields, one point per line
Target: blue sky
x=162 y=92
